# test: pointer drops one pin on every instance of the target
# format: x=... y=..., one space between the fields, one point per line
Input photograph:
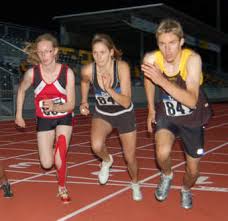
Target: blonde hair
x=170 y=25
x=106 y=40
x=31 y=48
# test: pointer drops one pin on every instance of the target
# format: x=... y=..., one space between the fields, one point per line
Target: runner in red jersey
x=54 y=92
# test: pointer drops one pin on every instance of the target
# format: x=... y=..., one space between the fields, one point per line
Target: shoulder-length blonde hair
x=31 y=48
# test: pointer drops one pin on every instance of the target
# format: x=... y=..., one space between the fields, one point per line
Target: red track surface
x=35 y=189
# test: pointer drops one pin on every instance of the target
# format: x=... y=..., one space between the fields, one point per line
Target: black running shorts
x=124 y=123
x=44 y=124
x=193 y=138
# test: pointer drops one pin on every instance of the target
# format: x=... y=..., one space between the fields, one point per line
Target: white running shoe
x=136 y=192
x=104 y=171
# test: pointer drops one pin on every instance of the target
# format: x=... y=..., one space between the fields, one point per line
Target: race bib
x=175 y=109
x=52 y=113
x=105 y=99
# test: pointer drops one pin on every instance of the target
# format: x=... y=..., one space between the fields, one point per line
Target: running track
x=35 y=189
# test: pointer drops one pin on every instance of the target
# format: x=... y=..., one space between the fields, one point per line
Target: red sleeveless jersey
x=55 y=91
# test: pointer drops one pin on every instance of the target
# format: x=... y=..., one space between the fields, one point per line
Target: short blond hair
x=170 y=25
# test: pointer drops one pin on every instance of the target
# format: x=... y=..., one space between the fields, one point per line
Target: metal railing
x=7 y=93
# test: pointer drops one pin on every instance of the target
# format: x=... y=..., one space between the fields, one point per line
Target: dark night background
x=40 y=13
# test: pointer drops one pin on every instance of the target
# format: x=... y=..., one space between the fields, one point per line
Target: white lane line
x=95 y=203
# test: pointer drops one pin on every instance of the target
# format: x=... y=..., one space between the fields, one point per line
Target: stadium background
x=16 y=29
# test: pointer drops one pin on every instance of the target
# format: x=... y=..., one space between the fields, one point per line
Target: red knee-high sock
x=61 y=147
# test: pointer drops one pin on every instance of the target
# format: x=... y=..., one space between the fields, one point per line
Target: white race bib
x=57 y=100
x=175 y=109
x=105 y=99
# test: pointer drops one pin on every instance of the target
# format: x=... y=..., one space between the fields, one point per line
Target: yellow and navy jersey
x=182 y=70
x=169 y=108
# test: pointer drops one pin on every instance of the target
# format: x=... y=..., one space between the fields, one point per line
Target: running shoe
x=163 y=187
x=7 y=190
x=64 y=195
x=104 y=171
x=136 y=192
x=186 y=199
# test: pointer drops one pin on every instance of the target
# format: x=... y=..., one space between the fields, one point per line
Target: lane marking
x=203 y=180
x=95 y=203
x=23 y=165
x=111 y=171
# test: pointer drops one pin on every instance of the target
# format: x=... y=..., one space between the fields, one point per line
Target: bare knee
x=192 y=172
x=164 y=141
x=47 y=163
x=97 y=146
x=162 y=153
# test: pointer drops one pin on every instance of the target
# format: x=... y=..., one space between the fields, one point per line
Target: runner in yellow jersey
x=182 y=108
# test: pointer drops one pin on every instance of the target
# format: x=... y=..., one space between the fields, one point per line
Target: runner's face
x=170 y=46
x=101 y=54
x=46 y=52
